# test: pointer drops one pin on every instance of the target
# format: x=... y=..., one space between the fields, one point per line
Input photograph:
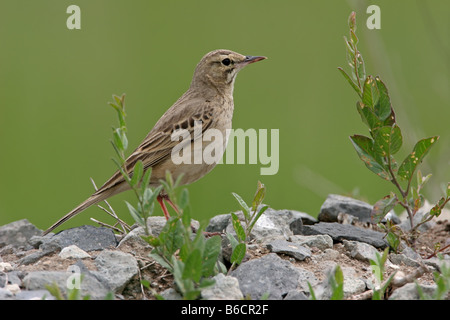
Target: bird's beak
x=251 y=59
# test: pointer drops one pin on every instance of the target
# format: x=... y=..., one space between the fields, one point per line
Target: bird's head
x=219 y=68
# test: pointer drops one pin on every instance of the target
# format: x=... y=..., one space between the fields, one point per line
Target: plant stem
x=404 y=202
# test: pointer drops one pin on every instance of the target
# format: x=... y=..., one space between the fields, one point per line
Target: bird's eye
x=226 y=62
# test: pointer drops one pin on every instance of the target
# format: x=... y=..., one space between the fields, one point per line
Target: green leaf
x=186 y=218
x=205 y=283
x=371 y=95
x=243 y=205
x=364 y=147
x=146 y=179
x=158 y=258
x=352 y=83
x=232 y=240
x=448 y=190
x=259 y=196
x=353 y=37
x=184 y=199
x=137 y=173
x=135 y=214
x=360 y=66
x=388 y=141
x=193 y=266
x=382 y=207
x=211 y=253
x=172 y=236
x=117 y=139
x=393 y=241
x=178 y=269
x=149 y=197
x=383 y=107
x=256 y=217
x=240 y=232
x=409 y=165
x=152 y=240
x=336 y=281
x=368 y=116
x=311 y=292
x=55 y=291
x=436 y=210
x=238 y=253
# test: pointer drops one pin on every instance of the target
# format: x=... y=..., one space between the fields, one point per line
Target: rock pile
x=289 y=252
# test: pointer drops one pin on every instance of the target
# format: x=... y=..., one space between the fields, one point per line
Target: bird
x=207 y=104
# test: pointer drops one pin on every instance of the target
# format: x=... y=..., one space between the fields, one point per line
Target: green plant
x=191 y=258
x=377 y=266
x=377 y=151
x=137 y=179
x=243 y=230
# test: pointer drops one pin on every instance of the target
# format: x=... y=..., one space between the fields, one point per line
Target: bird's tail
x=95 y=198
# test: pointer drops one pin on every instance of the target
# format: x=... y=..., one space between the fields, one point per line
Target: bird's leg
x=160 y=198
x=164 y=197
x=173 y=205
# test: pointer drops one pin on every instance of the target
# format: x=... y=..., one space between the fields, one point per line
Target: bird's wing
x=158 y=144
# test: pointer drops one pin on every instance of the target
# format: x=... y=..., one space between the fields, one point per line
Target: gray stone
x=272 y=225
x=5 y=294
x=360 y=250
x=37 y=280
x=171 y=294
x=73 y=252
x=295 y=295
x=5 y=267
x=218 y=223
x=34 y=295
x=291 y=249
x=87 y=238
x=116 y=268
x=17 y=233
x=352 y=284
x=424 y=210
x=155 y=224
x=267 y=275
x=225 y=288
x=438 y=263
x=134 y=240
x=336 y=204
x=320 y=241
x=339 y=232
x=400 y=258
x=37 y=255
x=12 y=277
x=391 y=216
x=409 y=292
x=305 y=277
x=329 y=254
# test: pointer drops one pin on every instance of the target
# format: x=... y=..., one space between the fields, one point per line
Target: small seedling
x=191 y=258
x=377 y=266
x=243 y=230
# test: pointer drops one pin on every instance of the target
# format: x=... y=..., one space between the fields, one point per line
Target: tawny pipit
x=209 y=99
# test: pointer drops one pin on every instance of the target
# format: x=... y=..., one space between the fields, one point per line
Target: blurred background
x=55 y=123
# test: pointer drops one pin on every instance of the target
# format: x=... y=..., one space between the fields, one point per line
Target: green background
x=55 y=124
